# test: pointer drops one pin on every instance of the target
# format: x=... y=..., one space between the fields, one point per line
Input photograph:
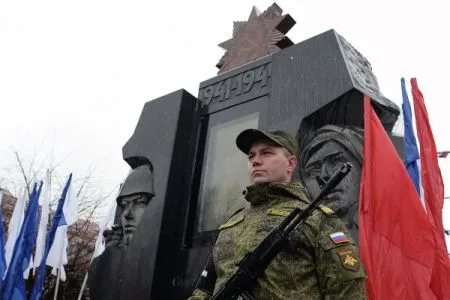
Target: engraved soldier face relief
x=344 y=199
x=134 y=197
x=133 y=207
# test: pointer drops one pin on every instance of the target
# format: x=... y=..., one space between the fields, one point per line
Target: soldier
x=321 y=261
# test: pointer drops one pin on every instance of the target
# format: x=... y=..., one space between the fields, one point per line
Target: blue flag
x=13 y=287
x=58 y=220
x=2 y=246
x=411 y=151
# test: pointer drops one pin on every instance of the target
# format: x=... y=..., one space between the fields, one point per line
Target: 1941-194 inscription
x=237 y=85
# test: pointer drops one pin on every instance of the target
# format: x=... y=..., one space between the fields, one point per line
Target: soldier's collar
x=268 y=191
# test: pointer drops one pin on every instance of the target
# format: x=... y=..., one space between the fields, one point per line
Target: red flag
x=396 y=238
x=432 y=183
x=433 y=187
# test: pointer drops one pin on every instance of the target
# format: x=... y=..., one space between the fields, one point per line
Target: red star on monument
x=263 y=34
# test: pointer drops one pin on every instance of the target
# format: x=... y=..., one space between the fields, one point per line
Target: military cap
x=246 y=138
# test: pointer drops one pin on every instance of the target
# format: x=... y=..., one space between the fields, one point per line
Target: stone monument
x=264 y=81
x=326 y=151
x=134 y=196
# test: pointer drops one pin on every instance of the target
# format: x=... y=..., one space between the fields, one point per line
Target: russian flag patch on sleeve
x=339 y=238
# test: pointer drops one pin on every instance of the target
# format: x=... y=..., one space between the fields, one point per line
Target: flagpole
x=57 y=285
x=83 y=286
x=57 y=276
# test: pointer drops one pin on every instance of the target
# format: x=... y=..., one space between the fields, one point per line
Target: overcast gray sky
x=74 y=75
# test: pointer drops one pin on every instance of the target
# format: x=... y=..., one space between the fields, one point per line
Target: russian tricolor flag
x=431 y=189
x=339 y=237
x=422 y=166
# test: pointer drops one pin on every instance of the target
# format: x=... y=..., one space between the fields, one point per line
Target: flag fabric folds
x=411 y=151
x=433 y=188
x=57 y=256
x=58 y=220
x=431 y=175
x=15 y=224
x=43 y=222
x=13 y=286
x=396 y=238
x=26 y=273
x=107 y=221
x=2 y=244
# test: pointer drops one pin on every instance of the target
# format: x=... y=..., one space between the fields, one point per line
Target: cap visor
x=246 y=138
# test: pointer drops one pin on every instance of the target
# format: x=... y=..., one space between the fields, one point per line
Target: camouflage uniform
x=315 y=266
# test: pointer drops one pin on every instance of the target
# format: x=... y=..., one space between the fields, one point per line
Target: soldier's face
x=324 y=163
x=133 y=208
x=268 y=162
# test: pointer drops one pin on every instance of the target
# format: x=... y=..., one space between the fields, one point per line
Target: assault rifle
x=254 y=263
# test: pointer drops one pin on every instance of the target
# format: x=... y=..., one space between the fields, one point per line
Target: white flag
x=106 y=223
x=14 y=226
x=43 y=223
x=57 y=256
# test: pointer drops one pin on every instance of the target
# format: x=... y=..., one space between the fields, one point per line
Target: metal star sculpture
x=263 y=34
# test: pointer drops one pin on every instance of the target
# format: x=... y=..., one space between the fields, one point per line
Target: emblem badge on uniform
x=349 y=259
